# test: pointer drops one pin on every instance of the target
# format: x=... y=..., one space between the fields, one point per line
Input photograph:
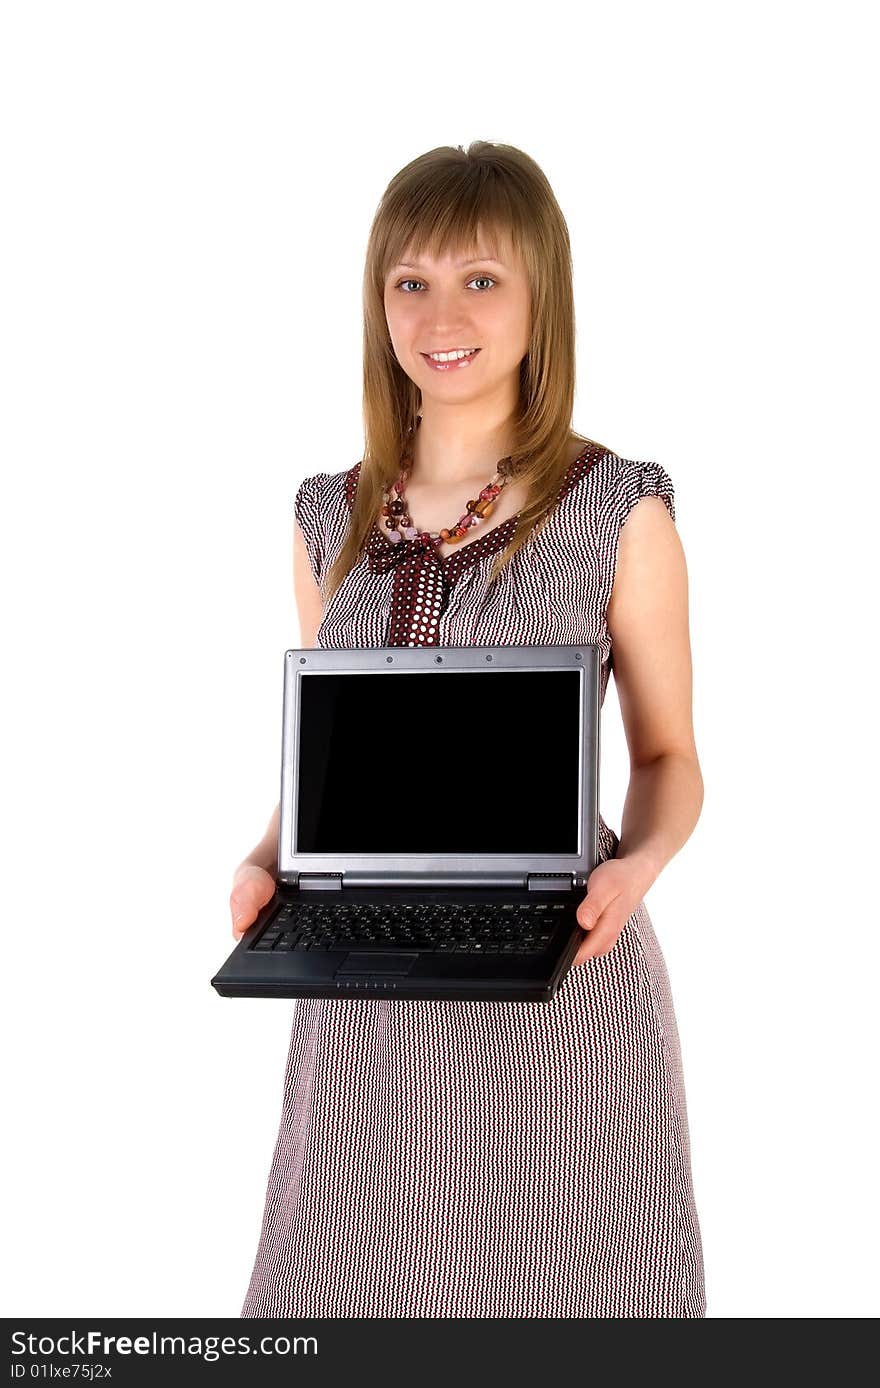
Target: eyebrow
x=462 y=264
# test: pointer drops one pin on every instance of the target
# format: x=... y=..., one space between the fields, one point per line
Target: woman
x=484 y=1159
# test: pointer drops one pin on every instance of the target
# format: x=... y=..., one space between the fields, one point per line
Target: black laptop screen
x=439 y=763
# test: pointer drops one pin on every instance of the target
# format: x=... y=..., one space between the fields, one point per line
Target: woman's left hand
x=613 y=893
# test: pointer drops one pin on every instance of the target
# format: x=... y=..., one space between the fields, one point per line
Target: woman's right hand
x=252 y=888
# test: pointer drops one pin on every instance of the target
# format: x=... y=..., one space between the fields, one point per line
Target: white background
x=187 y=190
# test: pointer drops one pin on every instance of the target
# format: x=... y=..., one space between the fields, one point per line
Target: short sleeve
x=307 y=510
x=638 y=479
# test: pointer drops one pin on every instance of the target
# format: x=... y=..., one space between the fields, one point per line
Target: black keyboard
x=464 y=928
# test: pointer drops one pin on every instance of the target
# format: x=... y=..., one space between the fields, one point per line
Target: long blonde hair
x=442 y=201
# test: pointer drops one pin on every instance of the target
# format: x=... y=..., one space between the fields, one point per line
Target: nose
x=445 y=317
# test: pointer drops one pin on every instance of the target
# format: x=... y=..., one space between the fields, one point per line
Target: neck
x=456 y=444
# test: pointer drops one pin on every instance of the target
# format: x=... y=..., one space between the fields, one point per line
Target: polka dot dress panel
x=486 y=1159
x=420 y=604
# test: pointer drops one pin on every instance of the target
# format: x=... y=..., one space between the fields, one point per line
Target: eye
x=485 y=278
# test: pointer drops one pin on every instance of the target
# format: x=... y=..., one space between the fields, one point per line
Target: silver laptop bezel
x=439 y=869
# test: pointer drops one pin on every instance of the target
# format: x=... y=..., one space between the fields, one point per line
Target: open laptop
x=439 y=821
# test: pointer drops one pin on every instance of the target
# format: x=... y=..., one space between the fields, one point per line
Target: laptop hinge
x=551 y=881
x=333 y=881
x=319 y=881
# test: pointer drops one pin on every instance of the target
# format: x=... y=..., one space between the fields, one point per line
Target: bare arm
x=265 y=855
x=648 y=620
x=653 y=671
x=309 y=603
x=251 y=887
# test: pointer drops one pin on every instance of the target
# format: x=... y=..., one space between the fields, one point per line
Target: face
x=441 y=305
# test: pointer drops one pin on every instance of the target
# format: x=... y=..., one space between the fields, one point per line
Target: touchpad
x=376 y=964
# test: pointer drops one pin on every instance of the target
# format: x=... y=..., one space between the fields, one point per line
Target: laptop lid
x=421 y=766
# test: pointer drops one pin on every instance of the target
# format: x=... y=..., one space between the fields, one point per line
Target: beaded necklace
x=395 y=510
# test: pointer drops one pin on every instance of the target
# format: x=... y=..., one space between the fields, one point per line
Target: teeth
x=452 y=356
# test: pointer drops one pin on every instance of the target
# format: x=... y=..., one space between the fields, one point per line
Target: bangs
x=471 y=226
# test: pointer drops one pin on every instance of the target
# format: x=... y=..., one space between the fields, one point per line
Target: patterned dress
x=486 y=1159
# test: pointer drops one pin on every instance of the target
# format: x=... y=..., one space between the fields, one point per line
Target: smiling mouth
x=455 y=364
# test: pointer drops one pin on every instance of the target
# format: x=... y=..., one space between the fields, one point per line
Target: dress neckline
x=487 y=543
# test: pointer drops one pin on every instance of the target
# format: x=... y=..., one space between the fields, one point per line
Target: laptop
x=439 y=821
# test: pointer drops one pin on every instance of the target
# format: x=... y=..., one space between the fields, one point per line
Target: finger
x=595 y=904
x=242 y=920
x=245 y=908
x=589 y=912
x=252 y=890
x=601 y=940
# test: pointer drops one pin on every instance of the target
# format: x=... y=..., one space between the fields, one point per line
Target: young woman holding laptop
x=474 y=1159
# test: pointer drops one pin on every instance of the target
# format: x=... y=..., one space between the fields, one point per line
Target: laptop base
x=395 y=973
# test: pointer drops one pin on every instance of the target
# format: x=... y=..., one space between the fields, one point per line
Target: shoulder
x=607 y=485
x=635 y=478
x=321 y=511
x=318 y=498
x=649 y=572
